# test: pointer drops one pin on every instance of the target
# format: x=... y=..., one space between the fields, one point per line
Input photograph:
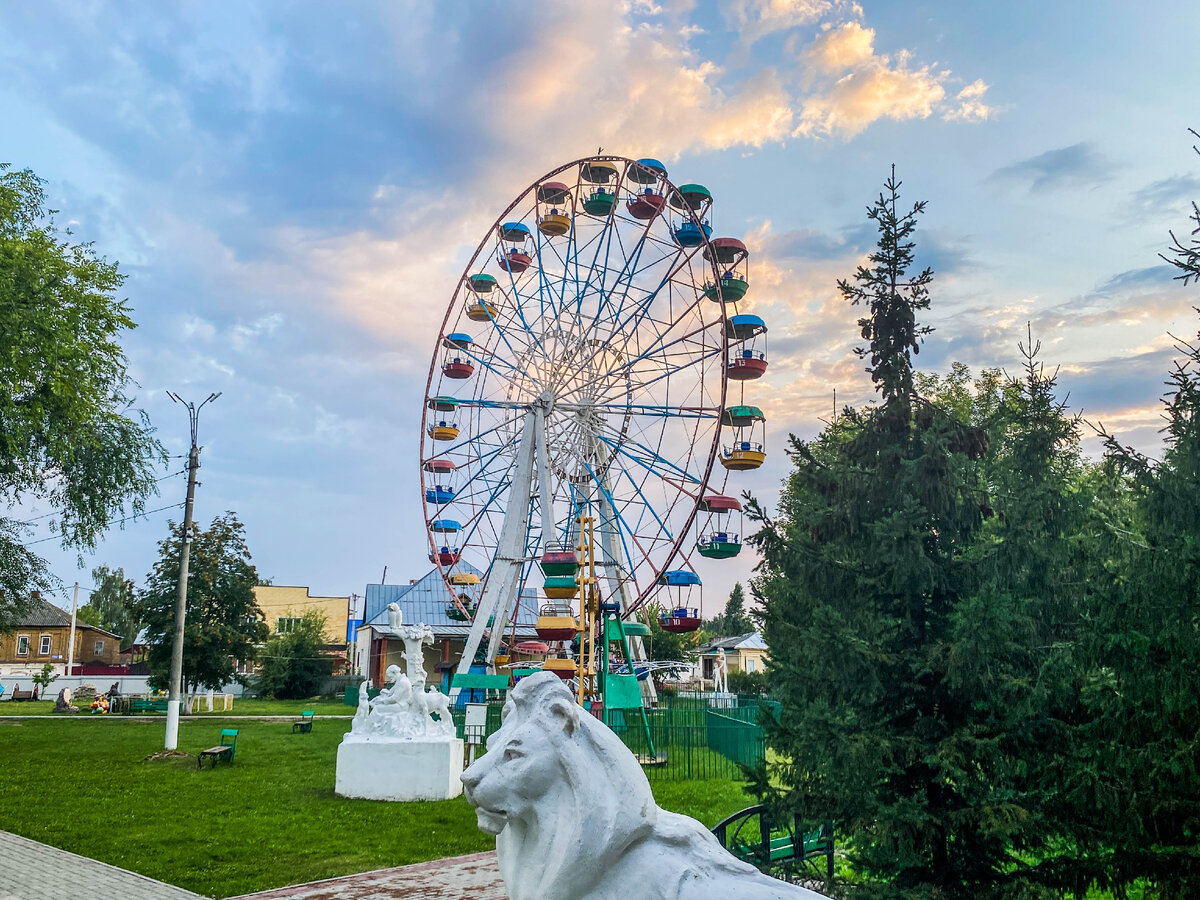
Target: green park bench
x=778 y=849
x=304 y=726
x=138 y=706
x=223 y=751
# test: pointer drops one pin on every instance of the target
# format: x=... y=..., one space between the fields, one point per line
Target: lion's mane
x=578 y=818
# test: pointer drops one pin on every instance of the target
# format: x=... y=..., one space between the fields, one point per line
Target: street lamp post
x=174 y=698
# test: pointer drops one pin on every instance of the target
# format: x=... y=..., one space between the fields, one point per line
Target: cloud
x=971 y=107
x=1076 y=166
x=755 y=19
x=1163 y=199
x=855 y=86
x=838 y=49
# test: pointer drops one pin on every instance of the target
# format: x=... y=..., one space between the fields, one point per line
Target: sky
x=292 y=189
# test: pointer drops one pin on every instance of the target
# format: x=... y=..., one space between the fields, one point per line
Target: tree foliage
x=223 y=623
x=667 y=646
x=69 y=440
x=1184 y=253
x=111 y=605
x=915 y=583
x=733 y=620
x=292 y=664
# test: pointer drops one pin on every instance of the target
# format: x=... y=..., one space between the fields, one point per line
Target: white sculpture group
x=574 y=817
x=405 y=707
x=403 y=710
x=402 y=744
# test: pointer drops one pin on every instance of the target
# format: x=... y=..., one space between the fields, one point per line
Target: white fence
x=126 y=684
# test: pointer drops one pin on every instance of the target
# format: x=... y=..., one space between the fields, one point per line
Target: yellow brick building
x=282 y=603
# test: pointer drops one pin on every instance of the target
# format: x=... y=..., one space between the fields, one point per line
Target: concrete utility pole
x=71 y=640
x=174 y=698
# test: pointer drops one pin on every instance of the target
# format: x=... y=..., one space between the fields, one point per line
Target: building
x=282 y=605
x=41 y=636
x=743 y=653
x=424 y=600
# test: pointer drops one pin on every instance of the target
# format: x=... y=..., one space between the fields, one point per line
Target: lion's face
x=508 y=781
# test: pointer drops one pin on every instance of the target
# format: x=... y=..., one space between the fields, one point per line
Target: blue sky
x=292 y=189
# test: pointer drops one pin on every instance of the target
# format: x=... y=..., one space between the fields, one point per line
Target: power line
x=142 y=515
x=55 y=512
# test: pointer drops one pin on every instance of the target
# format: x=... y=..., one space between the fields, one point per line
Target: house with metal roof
x=743 y=652
x=429 y=600
x=43 y=636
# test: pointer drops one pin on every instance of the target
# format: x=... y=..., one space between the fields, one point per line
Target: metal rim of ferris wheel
x=587 y=347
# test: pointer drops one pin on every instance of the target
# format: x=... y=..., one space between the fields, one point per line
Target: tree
x=1185 y=256
x=733 y=620
x=293 y=666
x=905 y=625
x=69 y=440
x=111 y=605
x=668 y=646
x=223 y=623
x=1132 y=781
x=45 y=678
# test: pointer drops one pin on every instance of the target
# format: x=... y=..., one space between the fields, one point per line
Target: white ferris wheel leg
x=504 y=579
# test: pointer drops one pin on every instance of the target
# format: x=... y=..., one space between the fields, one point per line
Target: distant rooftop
x=751 y=640
x=425 y=600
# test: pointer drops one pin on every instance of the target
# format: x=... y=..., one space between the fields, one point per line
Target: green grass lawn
x=269 y=819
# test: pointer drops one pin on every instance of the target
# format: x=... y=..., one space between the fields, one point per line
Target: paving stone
x=473 y=877
x=30 y=870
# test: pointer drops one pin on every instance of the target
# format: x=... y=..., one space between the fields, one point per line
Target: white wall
x=127 y=684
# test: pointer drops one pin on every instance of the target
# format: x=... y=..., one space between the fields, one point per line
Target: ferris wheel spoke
x=642 y=409
x=650 y=460
x=647 y=505
x=453 y=447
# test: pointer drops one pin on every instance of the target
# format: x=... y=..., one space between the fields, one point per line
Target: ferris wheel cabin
x=691 y=200
x=555 y=222
x=456 y=364
x=478 y=309
x=681 y=618
x=445 y=555
x=747 y=426
x=720 y=535
x=600 y=199
x=513 y=257
x=747 y=360
x=441 y=493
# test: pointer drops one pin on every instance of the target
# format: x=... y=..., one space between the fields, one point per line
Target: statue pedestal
x=376 y=767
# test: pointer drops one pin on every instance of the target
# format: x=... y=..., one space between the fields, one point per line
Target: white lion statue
x=574 y=818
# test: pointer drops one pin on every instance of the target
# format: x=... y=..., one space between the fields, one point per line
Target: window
x=286 y=624
x=44 y=645
x=23 y=645
x=99 y=648
x=243 y=667
x=750 y=664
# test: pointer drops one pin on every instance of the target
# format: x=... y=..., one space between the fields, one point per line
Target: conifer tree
x=904 y=618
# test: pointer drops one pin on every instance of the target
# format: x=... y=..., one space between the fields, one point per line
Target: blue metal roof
x=426 y=600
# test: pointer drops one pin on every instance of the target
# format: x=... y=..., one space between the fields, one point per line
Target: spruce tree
x=905 y=621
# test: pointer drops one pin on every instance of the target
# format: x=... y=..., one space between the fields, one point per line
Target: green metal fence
x=690 y=740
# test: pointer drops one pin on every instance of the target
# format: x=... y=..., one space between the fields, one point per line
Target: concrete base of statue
x=378 y=767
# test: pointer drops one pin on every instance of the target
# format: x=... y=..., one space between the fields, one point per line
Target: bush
x=747 y=682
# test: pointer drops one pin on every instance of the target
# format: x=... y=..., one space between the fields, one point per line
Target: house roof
x=751 y=640
x=425 y=600
x=44 y=614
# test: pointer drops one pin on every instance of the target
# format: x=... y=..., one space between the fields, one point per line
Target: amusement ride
x=579 y=435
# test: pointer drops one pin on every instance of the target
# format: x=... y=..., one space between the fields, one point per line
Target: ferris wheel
x=583 y=367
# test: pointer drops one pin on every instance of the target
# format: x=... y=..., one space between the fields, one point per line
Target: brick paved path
x=33 y=871
x=474 y=877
